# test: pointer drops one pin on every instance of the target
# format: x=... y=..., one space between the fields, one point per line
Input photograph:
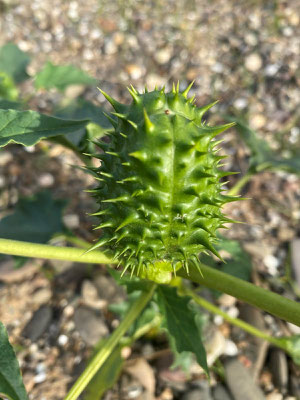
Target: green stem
x=234 y=321
x=240 y=184
x=256 y=296
x=26 y=249
x=213 y=278
x=111 y=343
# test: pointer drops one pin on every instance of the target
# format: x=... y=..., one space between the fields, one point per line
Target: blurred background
x=244 y=53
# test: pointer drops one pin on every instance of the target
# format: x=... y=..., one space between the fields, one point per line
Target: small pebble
x=253 y=62
x=218 y=320
x=42 y=296
x=218 y=68
x=110 y=47
x=240 y=103
x=230 y=348
x=5 y=157
x=251 y=39
x=71 y=221
x=274 y=396
x=30 y=149
x=226 y=300
x=41 y=377
x=134 y=71
x=46 y=180
x=258 y=121
x=271 y=69
x=272 y=263
x=233 y=312
x=126 y=352
x=62 y=340
x=162 y=56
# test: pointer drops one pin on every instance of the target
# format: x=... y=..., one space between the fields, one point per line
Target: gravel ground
x=244 y=53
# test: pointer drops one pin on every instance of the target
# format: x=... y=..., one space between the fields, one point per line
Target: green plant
x=160 y=206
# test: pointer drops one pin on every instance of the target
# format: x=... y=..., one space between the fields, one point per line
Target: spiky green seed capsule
x=160 y=192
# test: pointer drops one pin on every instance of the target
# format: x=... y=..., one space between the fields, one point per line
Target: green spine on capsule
x=160 y=193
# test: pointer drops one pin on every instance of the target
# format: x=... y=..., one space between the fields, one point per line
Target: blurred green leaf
x=9 y=105
x=29 y=127
x=81 y=109
x=292 y=345
x=34 y=219
x=181 y=323
x=106 y=376
x=61 y=76
x=182 y=360
x=14 y=62
x=11 y=384
x=262 y=156
x=8 y=89
x=239 y=265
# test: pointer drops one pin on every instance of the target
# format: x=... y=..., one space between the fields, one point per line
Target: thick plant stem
x=258 y=297
x=234 y=321
x=26 y=249
x=271 y=302
x=111 y=343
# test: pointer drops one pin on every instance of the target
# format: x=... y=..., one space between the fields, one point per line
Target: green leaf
x=262 y=156
x=11 y=384
x=182 y=360
x=106 y=376
x=35 y=219
x=81 y=109
x=181 y=323
x=29 y=127
x=8 y=89
x=8 y=104
x=14 y=62
x=61 y=76
x=239 y=265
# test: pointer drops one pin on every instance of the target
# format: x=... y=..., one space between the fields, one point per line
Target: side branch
x=256 y=296
x=35 y=250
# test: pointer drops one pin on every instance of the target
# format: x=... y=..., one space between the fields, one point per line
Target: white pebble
x=163 y=55
x=233 y=312
x=253 y=62
x=218 y=319
x=287 y=31
x=271 y=69
x=272 y=263
x=231 y=349
x=5 y=157
x=39 y=378
x=63 y=340
x=240 y=103
x=40 y=368
x=71 y=221
x=46 y=179
x=251 y=39
x=218 y=68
